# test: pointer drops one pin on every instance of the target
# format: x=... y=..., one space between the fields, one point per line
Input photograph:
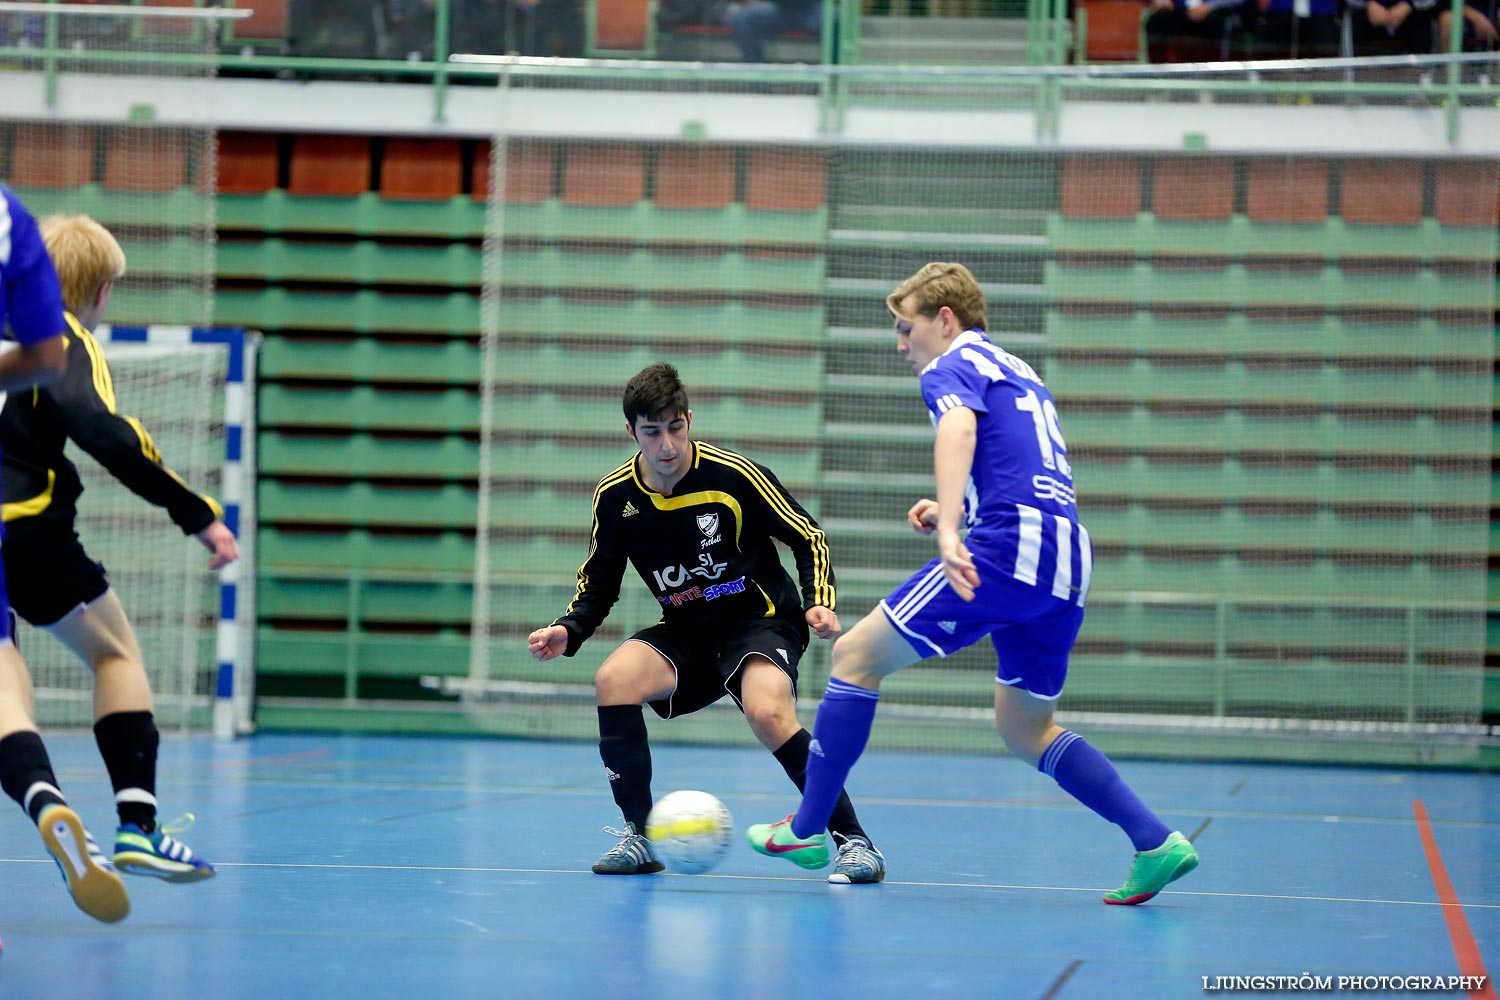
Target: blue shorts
x=1032 y=631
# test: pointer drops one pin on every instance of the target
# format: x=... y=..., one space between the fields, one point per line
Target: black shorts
x=708 y=664
x=47 y=571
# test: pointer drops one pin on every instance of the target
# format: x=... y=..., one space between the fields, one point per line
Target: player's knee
x=619 y=681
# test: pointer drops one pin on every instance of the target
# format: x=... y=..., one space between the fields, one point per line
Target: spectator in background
x=1190 y=30
x=1479 y=33
x=1392 y=26
x=756 y=22
x=1298 y=29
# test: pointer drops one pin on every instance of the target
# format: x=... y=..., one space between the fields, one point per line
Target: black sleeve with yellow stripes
x=85 y=400
x=789 y=522
x=598 y=579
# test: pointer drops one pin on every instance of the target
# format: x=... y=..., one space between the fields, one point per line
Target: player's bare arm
x=548 y=643
x=38 y=363
x=953 y=459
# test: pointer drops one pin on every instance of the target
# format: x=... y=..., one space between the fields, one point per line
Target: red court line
x=285 y=758
x=1470 y=963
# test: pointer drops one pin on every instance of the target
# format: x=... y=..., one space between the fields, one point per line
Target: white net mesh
x=105 y=114
x=160 y=577
x=1273 y=371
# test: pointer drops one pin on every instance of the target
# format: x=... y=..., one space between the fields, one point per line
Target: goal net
x=1272 y=364
x=105 y=113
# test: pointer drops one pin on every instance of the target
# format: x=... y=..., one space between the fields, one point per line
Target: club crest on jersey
x=708 y=523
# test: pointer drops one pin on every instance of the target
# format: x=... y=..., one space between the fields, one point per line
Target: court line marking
x=1061 y=980
x=1465 y=948
x=808 y=881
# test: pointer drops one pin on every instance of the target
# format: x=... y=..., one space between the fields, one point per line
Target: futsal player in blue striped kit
x=1020 y=575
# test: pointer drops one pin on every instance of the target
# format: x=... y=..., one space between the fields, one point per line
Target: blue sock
x=839 y=737
x=1088 y=776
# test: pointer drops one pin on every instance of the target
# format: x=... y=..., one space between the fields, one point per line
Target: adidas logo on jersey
x=948 y=626
x=629 y=510
x=610 y=772
x=815 y=748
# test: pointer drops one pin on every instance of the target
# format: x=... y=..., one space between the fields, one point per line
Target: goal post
x=189 y=388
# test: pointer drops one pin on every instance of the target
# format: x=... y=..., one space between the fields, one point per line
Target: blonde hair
x=86 y=256
x=940 y=284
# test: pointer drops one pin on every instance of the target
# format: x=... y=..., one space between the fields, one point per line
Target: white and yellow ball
x=690 y=831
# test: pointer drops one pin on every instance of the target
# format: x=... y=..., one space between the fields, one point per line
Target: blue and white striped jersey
x=30 y=300
x=1020 y=503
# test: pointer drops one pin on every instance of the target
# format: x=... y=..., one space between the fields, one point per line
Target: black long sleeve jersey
x=38 y=479
x=705 y=551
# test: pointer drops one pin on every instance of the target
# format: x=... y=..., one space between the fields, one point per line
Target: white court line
x=794 y=878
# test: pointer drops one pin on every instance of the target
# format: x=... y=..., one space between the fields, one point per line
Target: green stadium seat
x=363 y=262
x=366 y=407
x=366 y=455
x=367 y=359
x=289 y=502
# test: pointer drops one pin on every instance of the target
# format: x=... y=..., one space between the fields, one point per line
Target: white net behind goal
x=160 y=576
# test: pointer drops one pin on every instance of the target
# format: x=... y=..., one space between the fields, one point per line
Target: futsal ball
x=690 y=831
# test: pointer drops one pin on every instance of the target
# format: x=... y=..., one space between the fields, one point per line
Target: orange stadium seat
x=329 y=165
x=786 y=181
x=267 y=22
x=52 y=156
x=1114 y=30
x=529 y=168
x=1287 y=190
x=247 y=162
x=604 y=175
x=421 y=169
x=1468 y=194
x=1098 y=187
x=1370 y=193
x=694 y=177
x=144 y=159
x=1194 y=189
x=622 y=24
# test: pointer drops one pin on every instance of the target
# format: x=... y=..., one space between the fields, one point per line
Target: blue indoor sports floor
x=372 y=867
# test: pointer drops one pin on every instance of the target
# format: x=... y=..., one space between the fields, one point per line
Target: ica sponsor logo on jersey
x=671 y=577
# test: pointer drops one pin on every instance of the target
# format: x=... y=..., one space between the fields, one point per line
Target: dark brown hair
x=656 y=393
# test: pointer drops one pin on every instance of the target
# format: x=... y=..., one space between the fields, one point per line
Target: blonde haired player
x=31 y=306
x=58 y=586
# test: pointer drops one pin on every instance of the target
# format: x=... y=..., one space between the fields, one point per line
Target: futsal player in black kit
x=697 y=523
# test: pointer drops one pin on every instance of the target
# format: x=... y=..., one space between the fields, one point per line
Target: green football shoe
x=1154 y=870
x=776 y=840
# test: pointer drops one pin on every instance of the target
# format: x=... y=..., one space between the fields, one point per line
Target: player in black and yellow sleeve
x=697 y=523
x=55 y=584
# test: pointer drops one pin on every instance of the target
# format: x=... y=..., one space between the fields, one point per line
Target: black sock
x=127 y=742
x=627 y=760
x=26 y=773
x=792 y=756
